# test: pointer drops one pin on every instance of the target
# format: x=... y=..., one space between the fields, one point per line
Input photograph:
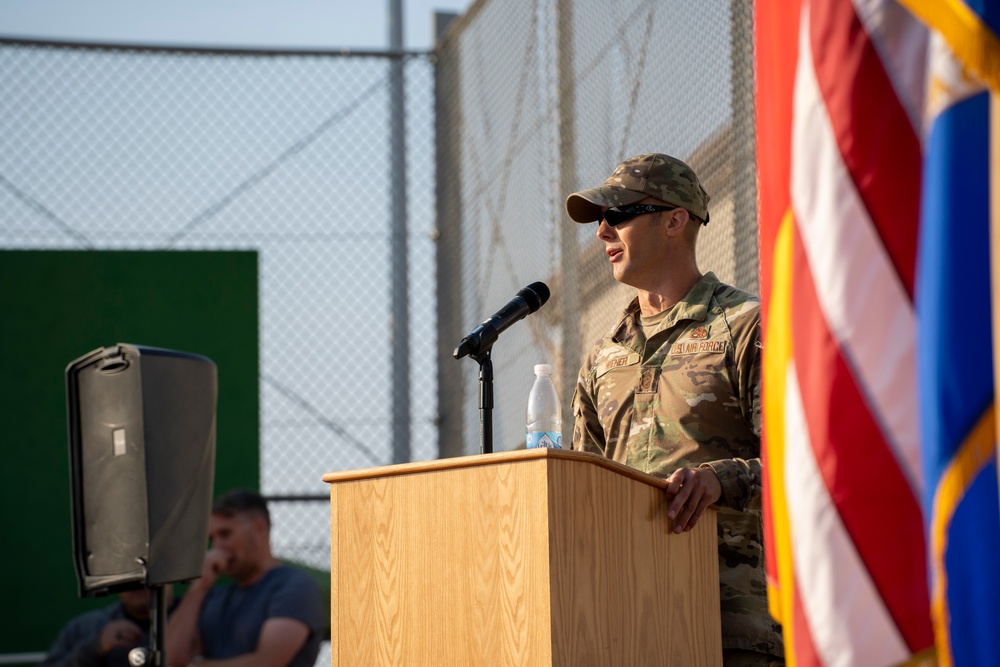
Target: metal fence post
x=449 y=251
x=569 y=248
x=399 y=262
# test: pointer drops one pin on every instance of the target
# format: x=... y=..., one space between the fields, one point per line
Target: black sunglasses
x=617 y=216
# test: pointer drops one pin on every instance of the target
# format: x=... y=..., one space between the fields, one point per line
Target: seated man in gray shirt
x=271 y=612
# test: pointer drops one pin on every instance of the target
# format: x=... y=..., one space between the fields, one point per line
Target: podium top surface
x=500 y=458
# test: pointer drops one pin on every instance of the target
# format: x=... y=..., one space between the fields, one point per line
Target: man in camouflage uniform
x=673 y=388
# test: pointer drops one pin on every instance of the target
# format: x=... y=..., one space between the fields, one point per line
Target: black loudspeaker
x=142 y=464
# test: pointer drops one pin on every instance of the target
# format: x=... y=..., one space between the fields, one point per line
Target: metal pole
x=448 y=243
x=400 y=327
x=745 y=252
x=994 y=184
x=158 y=625
x=569 y=247
x=485 y=403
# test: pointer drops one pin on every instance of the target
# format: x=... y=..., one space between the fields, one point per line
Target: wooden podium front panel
x=625 y=589
x=522 y=558
x=446 y=568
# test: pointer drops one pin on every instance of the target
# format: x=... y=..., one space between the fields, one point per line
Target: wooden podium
x=535 y=557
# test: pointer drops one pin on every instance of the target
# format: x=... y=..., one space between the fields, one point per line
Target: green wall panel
x=56 y=306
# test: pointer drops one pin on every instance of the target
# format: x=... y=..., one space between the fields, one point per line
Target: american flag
x=840 y=106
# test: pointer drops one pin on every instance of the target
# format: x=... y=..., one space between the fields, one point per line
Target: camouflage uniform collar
x=694 y=306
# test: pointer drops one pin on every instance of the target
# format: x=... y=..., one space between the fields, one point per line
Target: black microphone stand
x=485 y=399
x=479 y=344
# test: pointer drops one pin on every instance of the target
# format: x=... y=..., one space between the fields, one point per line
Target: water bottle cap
x=543 y=369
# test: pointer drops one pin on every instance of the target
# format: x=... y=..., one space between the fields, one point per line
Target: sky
x=352 y=24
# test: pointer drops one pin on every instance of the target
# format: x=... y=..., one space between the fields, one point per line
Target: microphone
x=481 y=339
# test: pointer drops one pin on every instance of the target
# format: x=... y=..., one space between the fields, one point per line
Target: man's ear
x=675 y=221
x=259 y=524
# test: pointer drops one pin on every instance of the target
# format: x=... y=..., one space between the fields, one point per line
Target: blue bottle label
x=544 y=439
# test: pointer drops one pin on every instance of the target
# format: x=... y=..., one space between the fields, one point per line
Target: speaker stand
x=156 y=654
x=158 y=626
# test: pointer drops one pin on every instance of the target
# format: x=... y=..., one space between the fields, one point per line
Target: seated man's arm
x=280 y=639
x=183 y=640
x=86 y=641
x=75 y=646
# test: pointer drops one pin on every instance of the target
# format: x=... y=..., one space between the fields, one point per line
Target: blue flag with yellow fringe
x=955 y=333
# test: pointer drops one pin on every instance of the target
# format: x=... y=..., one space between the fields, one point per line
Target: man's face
x=238 y=537
x=635 y=249
x=136 y=603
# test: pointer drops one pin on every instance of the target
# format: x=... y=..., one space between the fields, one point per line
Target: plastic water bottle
x=542 y=418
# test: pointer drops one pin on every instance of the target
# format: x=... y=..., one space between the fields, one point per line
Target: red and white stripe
x=864 y=298
x=851 y=461
x=845 y=616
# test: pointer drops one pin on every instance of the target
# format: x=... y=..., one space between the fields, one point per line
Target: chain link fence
x=538 y=99
x=286 y=153
x=295 y=155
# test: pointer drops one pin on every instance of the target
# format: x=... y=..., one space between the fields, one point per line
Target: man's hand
x=213 y=566
x=689 y=491
x=183 y=639
x=119 y=633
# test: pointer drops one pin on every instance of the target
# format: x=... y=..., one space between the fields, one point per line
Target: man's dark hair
x=241 y=501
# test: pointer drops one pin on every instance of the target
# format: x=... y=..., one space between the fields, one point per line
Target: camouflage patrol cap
x=650 y=175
